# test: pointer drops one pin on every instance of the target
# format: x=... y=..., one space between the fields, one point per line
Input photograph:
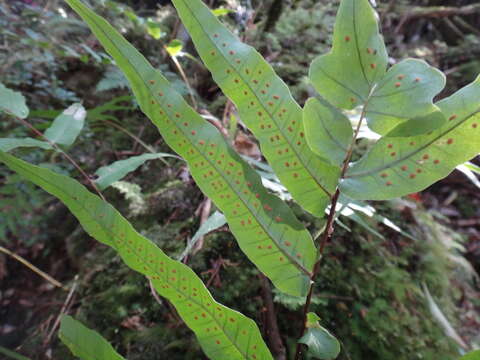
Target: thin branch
x=56 y=147
x=33 y=268
x=63 y=310
x=327 y=234
x=272 y=331
x=436 y=12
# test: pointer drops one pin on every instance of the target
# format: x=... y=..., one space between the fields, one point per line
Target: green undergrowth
x=371 y=294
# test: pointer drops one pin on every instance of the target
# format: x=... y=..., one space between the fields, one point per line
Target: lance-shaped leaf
x=85 y=343
x=12 y=102
x=9 y=144
x=396 y=166
x=328 y=132
x=67 y=126
x=222 y=332
x=265 y=227
x=355 y=73
x=107 y=175
x=265 y=105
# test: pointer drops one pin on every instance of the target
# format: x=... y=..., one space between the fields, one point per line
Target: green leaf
x=107 y=175
x=355 y=73
x=321 y=344
x=215 y=221
x=8 y=144
x=11 y=354
x=264 y=226
x=396 y=166
x=265 y=105
x=329 y=133
x=474 y=355
x=67 y=126
x=222 y=11
x=12 y=102
x=85 y=343
x=175 y=47
x=223 y=333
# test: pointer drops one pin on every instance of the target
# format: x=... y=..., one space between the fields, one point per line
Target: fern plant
x=309 y=149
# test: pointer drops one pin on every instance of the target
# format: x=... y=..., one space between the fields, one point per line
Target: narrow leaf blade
x=222 y=332
x=9 y=144
x=107 y=175
x=264 y=226
x=85 y=343
x=265 y=105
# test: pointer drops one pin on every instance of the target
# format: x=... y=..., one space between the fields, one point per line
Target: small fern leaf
x=265 y=227
x=222 y=332
x=355 y=73
x=265 y=105
x=328 y=132
x=85 y=343
x=9 y=144
x=107 y=175
x=12 y=102
x=396 y=166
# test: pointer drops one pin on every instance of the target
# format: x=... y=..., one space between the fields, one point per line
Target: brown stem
x=327 y=234
x=56 y=147
x=273 y=334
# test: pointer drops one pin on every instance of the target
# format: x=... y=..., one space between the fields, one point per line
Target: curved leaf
x=8 y=144
x=405 y=92
x=107 y=175
x=265 y=105
x=12 y=102
x=321 y=344
x=85 y=343
x=328 y=132
x=354 y=73
x=222 y=332
x=265 y=227
x=396 y=166
x=67 y=126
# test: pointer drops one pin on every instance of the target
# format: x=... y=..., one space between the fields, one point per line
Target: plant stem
x=327 y=234
x=33 y=268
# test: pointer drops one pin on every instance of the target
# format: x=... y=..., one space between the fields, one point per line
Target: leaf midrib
x=264 y=107
x=246 y=204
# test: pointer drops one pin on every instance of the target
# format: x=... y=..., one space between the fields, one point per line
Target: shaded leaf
x=12 y=102
x=67 y=126
x=264 y=226
x=85 y=343
x=265 y=105
x=215 y=221
x=321 y=344
x=107 y=175
x=329 y=133
x=399 y=166
x=223 y=333
x=8 y=144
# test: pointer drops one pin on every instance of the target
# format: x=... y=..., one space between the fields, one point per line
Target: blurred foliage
x=370 y=292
